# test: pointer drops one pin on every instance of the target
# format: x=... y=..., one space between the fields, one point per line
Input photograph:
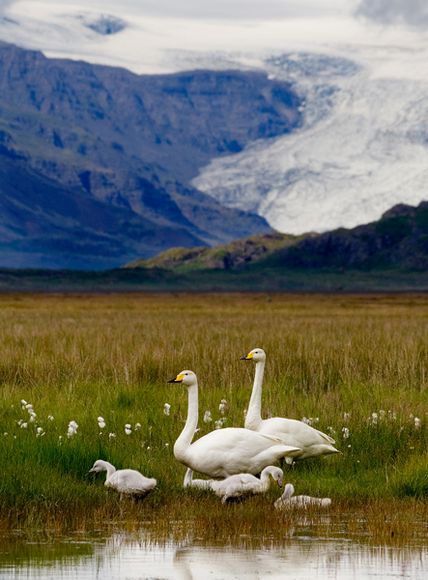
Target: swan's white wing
x=131 y=481
x=311 y=441
x=231 y=451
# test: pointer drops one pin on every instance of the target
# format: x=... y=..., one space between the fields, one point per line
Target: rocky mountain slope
x=112 y=153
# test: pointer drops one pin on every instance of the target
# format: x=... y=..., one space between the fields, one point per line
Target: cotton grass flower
x=167 y=409
x=40 y=432
x=417 y=423
x=223 y=406
x=137 y=426
x=23 y=425
x=207 y=417
x=72 y=429
x=112 y=435
x=345 y=432
x=128 y=429
x=374 y=419
x=101 y=422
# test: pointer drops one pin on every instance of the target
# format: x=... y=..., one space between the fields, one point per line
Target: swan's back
x=232 y=451
x=238 y=484
x=311 y=441
x=131 y=481
x=288 y=500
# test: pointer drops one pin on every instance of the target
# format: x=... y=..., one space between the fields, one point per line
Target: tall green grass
x=355 y=366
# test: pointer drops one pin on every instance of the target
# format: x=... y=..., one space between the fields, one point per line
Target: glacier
x=363 y=148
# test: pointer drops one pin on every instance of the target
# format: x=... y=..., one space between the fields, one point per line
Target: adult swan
x=310 y=441
x=227 y=451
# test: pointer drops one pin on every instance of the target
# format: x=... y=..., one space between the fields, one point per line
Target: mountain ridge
x=398 y=240
x=129 y=143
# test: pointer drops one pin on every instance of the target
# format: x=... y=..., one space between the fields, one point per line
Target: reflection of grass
x=352 y=365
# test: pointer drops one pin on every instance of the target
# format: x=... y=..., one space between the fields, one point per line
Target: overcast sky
x=158 y=27
x=408 y=12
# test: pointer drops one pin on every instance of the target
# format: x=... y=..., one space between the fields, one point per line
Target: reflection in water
x=124 y=557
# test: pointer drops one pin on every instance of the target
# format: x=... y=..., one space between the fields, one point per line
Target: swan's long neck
x=254 y=412
x=110 y=469
x=265 y=479
x=185 y=438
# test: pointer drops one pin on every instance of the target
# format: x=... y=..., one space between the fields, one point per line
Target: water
x=123 y=556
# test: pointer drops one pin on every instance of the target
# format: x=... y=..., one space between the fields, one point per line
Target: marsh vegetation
x=85 y=377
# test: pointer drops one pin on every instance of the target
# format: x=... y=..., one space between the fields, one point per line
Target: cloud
x=408 y=12
x=209 y=9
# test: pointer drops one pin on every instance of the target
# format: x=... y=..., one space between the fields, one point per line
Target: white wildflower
x=346 y=417
x=307 y=420
x=51 y=418
x=72 y=429
x=101 y=422
x=219 y=423
x=112 y=435
x=32 y=418
x=137 y=426
x=166 y=444
x=417 y=423
x=24 y=425
x=207 y=417
x=166 y=408
x=331 y=431
x=24 y=403
x=374 y=419
x=128 y=429
x=39 y=432
x=345 y=432
x=223 y=406
x=5 y=434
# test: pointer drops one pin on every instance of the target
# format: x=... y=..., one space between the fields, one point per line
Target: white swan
x=289 y=500
x=227 y=451
x=237 y=485
x=291 y=431
x=127 y=481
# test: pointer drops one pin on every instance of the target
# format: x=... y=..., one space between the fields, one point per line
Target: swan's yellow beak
x=249 y=356
x=178 y=379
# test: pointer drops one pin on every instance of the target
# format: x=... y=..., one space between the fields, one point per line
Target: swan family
x=228 y=451
x=243 y=457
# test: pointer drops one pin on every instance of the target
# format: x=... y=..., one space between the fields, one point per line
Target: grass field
x=355 y=366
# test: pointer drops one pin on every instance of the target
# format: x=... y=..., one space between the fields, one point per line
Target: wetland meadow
x=84 y=377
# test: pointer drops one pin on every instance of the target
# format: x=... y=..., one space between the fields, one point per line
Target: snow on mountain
x=362 y=149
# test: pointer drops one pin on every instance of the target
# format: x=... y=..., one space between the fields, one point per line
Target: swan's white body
x=128 y=481
x=310 y=441
x=289 y=500
x=237 y=485
x=227 y=451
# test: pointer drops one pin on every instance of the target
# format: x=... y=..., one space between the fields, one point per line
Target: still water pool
x=123 y=556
